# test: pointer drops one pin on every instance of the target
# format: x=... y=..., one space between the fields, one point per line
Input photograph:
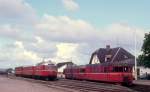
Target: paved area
x=10 y=85
x=142 y=82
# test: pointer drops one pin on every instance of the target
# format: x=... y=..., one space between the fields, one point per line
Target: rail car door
x=71 y=73
x=109 y=73
x=105 y=74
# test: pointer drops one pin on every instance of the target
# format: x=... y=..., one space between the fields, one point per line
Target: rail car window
x=102 y=69
x=118 y=69
x=92 y=69
x=105 y=69
x=97 y=69
x=121 y=69
x=82 y=70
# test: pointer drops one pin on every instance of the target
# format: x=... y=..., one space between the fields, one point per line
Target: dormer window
x=107 y=58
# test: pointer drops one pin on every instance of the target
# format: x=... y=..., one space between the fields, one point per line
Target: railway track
x=93 y=86
x=79 y=86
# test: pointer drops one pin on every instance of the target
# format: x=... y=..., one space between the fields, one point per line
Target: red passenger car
x=28 y=71
x=41 y=71
x=18 y=71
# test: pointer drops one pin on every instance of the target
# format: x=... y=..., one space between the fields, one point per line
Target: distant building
x=6 y=71
x=143 y=73
x=61 y=67
x=3 y=71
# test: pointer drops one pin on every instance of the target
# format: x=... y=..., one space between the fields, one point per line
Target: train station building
x=118 y=55
x=115 y=56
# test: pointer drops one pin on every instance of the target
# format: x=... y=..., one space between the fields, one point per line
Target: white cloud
x=66 y=29
x=66 y=50
x=8 y=31
x=13 y=32
x=19 y=44
x=70 y=5
x=124 y=35
x=16 y=11
x=21 y=53
x=16 y=55
x=44 y=49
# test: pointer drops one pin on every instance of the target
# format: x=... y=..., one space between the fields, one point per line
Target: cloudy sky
x=64 y=30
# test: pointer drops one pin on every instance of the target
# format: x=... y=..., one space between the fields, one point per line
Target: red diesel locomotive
x=41 y=71
x=46 y=71
x=107 y=72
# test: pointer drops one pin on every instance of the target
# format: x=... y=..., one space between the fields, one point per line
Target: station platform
x=142 y=82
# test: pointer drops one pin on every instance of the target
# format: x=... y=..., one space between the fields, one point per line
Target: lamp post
x=135 y=54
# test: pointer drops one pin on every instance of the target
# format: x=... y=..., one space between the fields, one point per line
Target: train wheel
x=46 y=78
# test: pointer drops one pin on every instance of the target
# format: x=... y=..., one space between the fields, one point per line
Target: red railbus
x=101 y=72
x=110 y=73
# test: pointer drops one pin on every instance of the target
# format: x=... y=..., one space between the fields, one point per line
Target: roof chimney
x=107 y=47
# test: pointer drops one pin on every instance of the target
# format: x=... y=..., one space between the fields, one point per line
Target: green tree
x=144 y=59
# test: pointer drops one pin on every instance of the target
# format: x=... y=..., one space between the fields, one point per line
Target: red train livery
x=101 y=72
x=40 y=71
